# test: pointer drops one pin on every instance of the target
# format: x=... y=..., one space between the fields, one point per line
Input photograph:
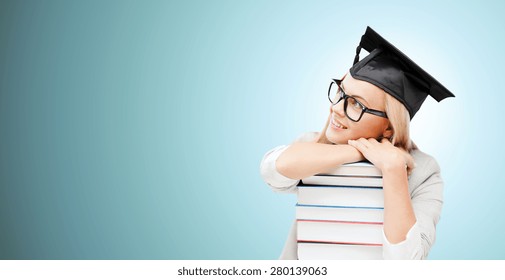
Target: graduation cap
x=391 y=70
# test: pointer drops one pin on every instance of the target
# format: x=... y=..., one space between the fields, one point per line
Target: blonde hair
x=399 y=123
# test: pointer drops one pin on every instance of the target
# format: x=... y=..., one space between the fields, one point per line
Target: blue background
x=135 y=129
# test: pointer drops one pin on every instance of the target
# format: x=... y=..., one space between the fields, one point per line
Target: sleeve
x=276 y=181
x=427 y=200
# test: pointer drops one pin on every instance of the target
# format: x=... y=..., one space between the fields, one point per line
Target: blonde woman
x=369 y=118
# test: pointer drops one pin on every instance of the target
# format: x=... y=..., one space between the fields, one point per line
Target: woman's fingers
x=365 y=142
x=381 y=152
x=358 y=144
x=373 y=141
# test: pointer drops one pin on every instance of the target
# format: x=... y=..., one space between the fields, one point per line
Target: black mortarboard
x=390 y=69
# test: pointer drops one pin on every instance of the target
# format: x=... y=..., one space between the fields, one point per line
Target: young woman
x=369 y=118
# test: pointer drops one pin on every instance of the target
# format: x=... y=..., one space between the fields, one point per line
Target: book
x=339 y=232
x=360 y=168
x=351 y=174
x=322 y=251
x=341 y=180
x=351 y=196
x=340 y=213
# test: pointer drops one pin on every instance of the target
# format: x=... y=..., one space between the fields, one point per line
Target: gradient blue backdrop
x=135 y=129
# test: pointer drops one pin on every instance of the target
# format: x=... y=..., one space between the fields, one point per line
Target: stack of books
x=340 y=213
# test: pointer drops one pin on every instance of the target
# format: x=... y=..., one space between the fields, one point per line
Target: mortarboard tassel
x=356 y=58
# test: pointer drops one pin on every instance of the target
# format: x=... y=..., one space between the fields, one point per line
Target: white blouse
x=426 y=191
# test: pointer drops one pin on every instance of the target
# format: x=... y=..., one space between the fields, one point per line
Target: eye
x=355 y=104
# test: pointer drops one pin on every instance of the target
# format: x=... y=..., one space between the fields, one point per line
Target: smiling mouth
x=338 y=125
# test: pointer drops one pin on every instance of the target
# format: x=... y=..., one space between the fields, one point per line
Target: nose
x=338 y=109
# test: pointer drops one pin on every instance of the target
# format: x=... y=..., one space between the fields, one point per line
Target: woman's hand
x=383 y=155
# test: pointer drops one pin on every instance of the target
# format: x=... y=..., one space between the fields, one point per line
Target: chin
x=336 y=137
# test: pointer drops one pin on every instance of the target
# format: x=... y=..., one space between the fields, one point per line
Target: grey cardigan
x=426 y=192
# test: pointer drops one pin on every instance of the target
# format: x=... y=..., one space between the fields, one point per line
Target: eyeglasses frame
x=345 y=96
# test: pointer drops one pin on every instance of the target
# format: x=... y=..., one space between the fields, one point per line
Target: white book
x=323 y=251
x=360 y=168
x=341 y=196
x=339 y=232
x=339 y=213
x=342 y=180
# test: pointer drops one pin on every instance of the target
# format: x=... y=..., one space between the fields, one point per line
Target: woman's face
x=369 y=126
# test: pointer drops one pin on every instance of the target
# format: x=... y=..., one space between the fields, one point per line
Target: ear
x=388 y=133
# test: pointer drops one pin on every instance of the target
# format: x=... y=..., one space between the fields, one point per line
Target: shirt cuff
x=404 y=250
x=277 y=181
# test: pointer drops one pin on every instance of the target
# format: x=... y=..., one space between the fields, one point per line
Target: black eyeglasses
x=353 y=109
